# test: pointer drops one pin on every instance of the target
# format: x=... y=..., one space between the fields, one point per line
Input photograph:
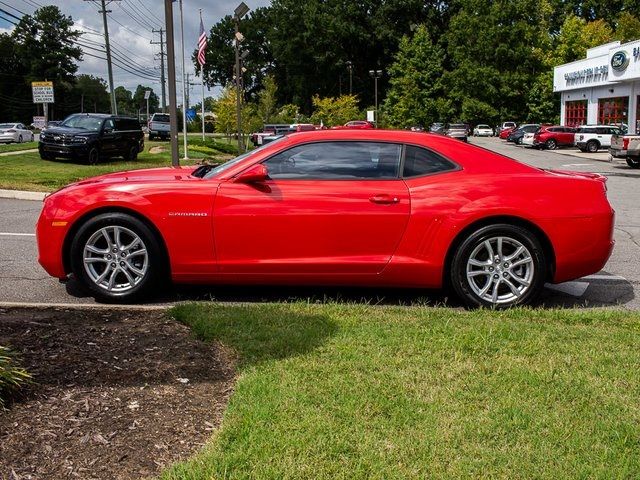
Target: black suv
x=92 y=137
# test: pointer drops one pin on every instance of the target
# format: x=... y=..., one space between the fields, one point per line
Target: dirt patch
x=118 y=395
x=157 y=150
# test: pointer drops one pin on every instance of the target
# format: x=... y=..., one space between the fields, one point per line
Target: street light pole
x=240 y=11
x=376 y=74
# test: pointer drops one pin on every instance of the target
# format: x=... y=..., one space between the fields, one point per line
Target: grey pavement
x=618 y=284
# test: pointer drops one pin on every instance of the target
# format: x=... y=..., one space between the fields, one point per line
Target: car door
x=330 y=207
x=566 y=136
x=108 y=147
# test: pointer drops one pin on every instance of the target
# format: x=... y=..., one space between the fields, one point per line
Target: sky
x=130 y=24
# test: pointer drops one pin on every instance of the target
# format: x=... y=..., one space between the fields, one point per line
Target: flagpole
x=184 y=90
x=202 y=80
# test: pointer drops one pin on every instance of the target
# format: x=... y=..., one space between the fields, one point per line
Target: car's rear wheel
x=551 y=144
x=132 y=154
x=20 y=139
x=633 y=162
x=592 y=146
x=117 y=257
x=94 y=156
x=499 y=266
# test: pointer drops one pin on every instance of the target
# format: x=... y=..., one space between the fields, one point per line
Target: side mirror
x=255 y=174
x=108 y=130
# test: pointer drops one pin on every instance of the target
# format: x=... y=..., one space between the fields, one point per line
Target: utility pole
x=104 y=11
x=162 y=54
x=184 y=89
x=376 y=74
x=171 y=72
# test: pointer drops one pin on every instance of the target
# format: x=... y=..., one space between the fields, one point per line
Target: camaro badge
x=188 y=214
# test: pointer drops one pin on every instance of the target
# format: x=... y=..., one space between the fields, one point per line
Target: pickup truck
x=627 y=147
x=159 y=126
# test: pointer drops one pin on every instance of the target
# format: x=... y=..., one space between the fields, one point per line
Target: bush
x=12 y=377
x=213 y=144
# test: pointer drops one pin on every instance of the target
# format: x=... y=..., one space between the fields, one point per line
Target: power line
x=129 y=30
x=150 y=12
x=162 y=55
x=11 y=6
x=136 y=17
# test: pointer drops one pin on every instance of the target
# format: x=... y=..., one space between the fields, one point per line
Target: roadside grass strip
x=353 y=392
x=29 y=172
x=16 y=147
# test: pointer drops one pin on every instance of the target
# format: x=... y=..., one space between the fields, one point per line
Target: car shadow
x=577 y=294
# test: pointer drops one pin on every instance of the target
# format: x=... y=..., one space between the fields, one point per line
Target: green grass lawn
x=354 y=392
x=28 y=172
x=15 y=147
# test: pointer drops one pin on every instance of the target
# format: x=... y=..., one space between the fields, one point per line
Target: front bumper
x=50 y=239
x=64 y=151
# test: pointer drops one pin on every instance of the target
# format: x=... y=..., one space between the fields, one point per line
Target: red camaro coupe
x=334 y=207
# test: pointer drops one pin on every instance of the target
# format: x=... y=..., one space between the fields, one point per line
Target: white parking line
x=8 y=234
x=577 y=165
x=610 y=278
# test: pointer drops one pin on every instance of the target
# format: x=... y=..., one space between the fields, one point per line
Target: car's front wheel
x=551 y=144
x=499 y=266
x=592 y=146
x=117 y=257
x=94 y=156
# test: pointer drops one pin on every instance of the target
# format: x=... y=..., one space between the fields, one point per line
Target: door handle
x=384 y=199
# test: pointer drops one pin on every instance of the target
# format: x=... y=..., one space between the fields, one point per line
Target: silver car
x=15 y=133
x=457 y=131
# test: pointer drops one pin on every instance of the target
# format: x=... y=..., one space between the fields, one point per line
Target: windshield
x=483 y=126
x=225 y=166
x=83 y=122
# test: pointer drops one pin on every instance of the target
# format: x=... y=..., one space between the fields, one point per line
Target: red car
x=504 y=133
x=554 y=136
x=334 y=207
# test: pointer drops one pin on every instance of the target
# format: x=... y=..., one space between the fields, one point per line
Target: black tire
x=20 y=139
x=519 y=141
x=592 y=146
x=132 y=154
x=93 y=157
x=462 y=284
x=582 y=149
x=155 y=272
x=633 y=162
x=551 y=144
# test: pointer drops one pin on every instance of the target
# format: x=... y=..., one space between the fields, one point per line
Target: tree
x=93 y=94
x=414 y=80
x=124 y=101
x=138 y=100
x=267 y=102
x=627 y=27
x=333 y=111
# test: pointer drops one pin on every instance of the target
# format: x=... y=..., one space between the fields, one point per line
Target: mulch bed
x=117 y=395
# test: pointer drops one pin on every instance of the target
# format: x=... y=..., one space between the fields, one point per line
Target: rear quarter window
x=421 y=161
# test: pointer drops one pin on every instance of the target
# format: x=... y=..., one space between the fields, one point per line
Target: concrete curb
x=22 y=195
x=86 y=306
x=18 y=152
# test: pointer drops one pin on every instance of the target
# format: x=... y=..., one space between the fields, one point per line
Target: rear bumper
x=582 y=245
x=624 y=153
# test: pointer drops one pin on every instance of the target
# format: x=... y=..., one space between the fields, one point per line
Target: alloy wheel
x=500 y=270
x=116 y=259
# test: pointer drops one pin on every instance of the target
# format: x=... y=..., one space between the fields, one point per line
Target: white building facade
x=604 y=88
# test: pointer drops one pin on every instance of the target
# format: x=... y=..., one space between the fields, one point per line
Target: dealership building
x=603 y=88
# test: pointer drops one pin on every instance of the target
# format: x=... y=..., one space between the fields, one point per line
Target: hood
x=146 y=175
x=68 y=131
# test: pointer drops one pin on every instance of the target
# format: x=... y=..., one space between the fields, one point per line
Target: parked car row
x=587 y=138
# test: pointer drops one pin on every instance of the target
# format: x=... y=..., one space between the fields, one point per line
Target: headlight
x=79 y=140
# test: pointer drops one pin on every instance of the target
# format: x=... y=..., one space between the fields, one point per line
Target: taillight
x=625 y=143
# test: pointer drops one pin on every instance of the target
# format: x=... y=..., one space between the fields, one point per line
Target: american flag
x=202 y=44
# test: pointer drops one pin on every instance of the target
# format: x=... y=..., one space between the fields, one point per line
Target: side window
x=337 y=161
x=603 y=130
x=120 y=124
x=108 y=124
x=420 y=161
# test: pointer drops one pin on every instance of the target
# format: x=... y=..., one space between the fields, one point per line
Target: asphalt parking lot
x=618 y=284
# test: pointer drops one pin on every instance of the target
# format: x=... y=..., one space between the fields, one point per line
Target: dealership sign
x=42 y=92
x=586 y=72
x=619 y=61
